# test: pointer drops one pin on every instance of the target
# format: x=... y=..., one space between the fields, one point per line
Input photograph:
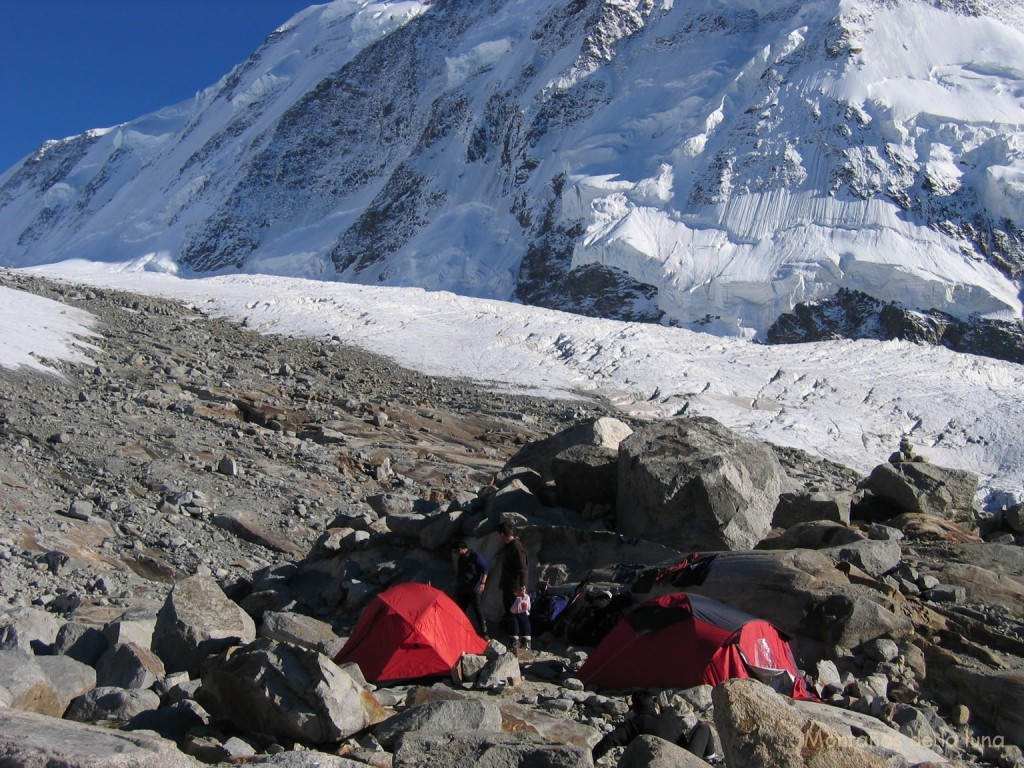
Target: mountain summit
x=707 y=164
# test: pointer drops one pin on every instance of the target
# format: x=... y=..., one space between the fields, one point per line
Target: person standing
x=515 y=576
x=470 y=581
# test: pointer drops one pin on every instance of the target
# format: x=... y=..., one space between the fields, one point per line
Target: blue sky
x=70 y=65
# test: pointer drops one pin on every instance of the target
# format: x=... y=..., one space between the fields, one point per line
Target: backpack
x=547 y=611
x=595 y=617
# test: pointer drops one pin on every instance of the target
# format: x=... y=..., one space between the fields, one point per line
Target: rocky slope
x=276 y=484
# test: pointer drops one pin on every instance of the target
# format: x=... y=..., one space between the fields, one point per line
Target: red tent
x=681 y=641
x=410 y=631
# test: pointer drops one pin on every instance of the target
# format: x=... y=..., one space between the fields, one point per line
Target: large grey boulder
x=472 y=714
x=696 y=485
x=82 y=642
x=24 y=685
x=303 y=631
x=31 y=630
x=873 y=556
x=918 y=486
x=111 y=703
x=136 y=625
x=282 y=690
x=849 y=619
x=807 y=506
x=865 y=730
x=814 y=534
x=197 y=620
x=486 y=750
x=604 y=433
x=648 y=751
x=30 y=740
x=127 y=665
x=586 y=474
x=761 y=729
x=69 y=678
x=307 y=759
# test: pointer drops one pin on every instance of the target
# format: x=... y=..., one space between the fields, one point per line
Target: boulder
x=24 y=685
x=694 y=484
x=779 y=587
x=866 y=731
x=68 y=677
x=515 y=497
x=127 y=665
x=605 y=432
x=282 y=690
x=761 y=729
x=995 y=696
x=198 y=620
x=31 y=740
x=648 y=751
x=467 y=748
x=81 y=642
x=136 y=625
x=918 y=486
x=111 y=703
x=303 y=631
x=847 y=620
x=808 y=506
x=815 y=534
x=31 y=630
x=294 y=759
x=586 y=474
x=918 y=526
x=872 y=556
x=453 y=715
x=441 y=529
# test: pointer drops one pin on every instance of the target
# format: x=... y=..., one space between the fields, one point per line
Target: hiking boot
x=515 y=643
x=526 y=643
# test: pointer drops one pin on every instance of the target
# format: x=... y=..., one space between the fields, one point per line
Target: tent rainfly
x=683 y=640
x=410 y=632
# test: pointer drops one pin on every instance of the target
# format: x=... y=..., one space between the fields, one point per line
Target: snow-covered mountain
x=704 y=163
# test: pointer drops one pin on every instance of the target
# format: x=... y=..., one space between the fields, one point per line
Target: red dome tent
x=682 y=640
x=408 y=632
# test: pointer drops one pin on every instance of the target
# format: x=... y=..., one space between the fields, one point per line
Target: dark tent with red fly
x=682 y=640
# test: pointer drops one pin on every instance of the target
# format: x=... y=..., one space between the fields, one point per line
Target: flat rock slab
x=28 y=740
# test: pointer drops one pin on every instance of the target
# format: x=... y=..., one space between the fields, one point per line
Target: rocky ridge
x=203 y=506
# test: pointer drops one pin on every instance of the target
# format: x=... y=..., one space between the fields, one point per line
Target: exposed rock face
x=853 y=314
x=694 y=484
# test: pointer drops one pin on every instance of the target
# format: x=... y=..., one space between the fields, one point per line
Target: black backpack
x=596 y=616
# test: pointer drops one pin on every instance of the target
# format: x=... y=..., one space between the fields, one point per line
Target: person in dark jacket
x=470 y=581
x=645 y=717
x=515 y=577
